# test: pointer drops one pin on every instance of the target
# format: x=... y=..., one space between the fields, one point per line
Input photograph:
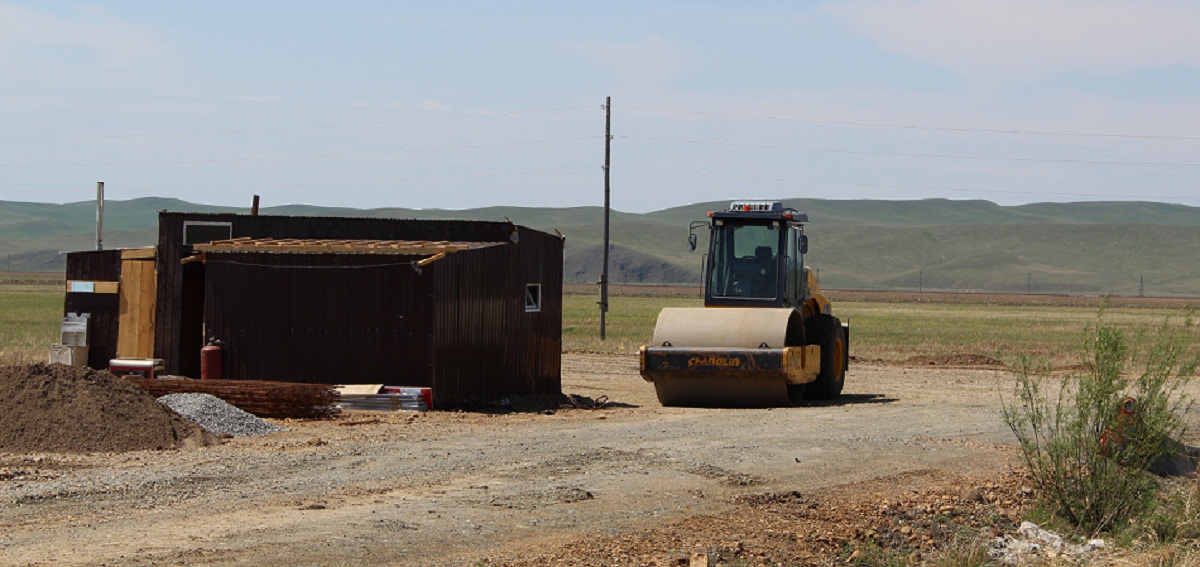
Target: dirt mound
x=953 y=360
x=79 y=410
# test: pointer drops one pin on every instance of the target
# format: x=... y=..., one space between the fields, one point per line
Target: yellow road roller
x=766 y=336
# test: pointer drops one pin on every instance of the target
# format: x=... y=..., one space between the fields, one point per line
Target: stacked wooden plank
x=317 y=245
x=259 y=397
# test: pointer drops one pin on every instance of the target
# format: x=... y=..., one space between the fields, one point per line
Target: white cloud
x=1016 y=40
x=31 y=38
x=646 y=64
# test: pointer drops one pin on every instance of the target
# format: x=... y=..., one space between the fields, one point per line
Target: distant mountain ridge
x=931 y=244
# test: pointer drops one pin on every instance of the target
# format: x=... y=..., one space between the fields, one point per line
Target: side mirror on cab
x=803 y=242
x=692 y=234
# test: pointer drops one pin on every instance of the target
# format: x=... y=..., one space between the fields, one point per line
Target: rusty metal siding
x=171 y=316
x=105 y=266
x=169 y=310
x=464 y=330
x=540 y=333
x=473 y=350
x=325 y=318
x=486 y=345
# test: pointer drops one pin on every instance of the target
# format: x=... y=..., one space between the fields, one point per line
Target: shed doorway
x=191 y=320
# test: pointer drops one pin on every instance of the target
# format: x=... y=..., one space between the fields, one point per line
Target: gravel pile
x=217 y=416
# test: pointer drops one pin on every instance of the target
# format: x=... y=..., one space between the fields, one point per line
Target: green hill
x=1044 y=258
x=932 y=212
x=933 y=244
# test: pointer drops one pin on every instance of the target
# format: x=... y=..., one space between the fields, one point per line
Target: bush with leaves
x=1088 y=448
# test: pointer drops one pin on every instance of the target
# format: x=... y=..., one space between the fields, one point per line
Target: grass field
x=894 y=327
x=889 y=327
x=30 y=319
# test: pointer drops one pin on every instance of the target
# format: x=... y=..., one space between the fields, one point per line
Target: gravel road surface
x=453 y=488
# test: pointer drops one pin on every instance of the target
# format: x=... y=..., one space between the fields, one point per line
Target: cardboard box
x=70 y=355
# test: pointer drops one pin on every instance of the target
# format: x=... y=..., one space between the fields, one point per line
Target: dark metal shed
x=347 y=302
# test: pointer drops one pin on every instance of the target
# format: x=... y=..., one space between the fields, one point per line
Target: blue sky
x=460 y=105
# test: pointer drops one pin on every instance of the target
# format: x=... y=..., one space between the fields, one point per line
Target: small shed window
x=533 y=297
x=200 y=232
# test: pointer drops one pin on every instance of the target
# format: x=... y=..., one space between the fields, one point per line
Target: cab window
x=744 y=262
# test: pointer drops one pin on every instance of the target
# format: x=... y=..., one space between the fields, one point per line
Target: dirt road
x=454 y=488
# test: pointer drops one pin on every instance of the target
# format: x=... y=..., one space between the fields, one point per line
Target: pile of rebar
x=261 y=398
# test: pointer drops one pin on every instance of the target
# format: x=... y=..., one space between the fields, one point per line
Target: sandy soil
x=902 y=452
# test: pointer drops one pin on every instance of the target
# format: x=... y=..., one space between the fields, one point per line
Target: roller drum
x=728 y=357
x=728 y=327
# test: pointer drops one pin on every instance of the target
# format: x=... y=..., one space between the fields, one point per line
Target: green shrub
x=1089 y=459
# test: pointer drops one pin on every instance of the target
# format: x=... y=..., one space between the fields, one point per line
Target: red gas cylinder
x=210 y=363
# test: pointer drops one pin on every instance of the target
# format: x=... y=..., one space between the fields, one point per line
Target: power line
x=379 y=181
x=918 y=126
x=340 y=182
x=913 y=154
x=292 y=128
x=307 y=156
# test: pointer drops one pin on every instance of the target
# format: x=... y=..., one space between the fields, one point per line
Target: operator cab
x=756 y=255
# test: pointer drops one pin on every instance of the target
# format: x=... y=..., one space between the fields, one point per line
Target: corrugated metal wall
x=486 y=344
x=460 y=326
x=105 y=266
x=325 y=318
x=473 y=339
x=173 y=342
x=539 y=364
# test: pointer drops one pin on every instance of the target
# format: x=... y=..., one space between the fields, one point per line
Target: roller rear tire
x=826 y=331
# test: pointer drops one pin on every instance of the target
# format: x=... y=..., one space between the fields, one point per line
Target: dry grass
x=885 y=325
x=890 y=326
x=30 y=318
x=1051 y=335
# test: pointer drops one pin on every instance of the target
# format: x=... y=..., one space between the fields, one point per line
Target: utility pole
x=1141 y=286
x=920 y=281
x=1028 y=283
x=607 y=202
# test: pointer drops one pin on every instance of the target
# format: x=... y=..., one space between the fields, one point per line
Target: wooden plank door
x=138 y=298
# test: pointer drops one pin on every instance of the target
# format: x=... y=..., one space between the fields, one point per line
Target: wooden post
x=607 y=154
x=99 y=215
x=254 y=207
